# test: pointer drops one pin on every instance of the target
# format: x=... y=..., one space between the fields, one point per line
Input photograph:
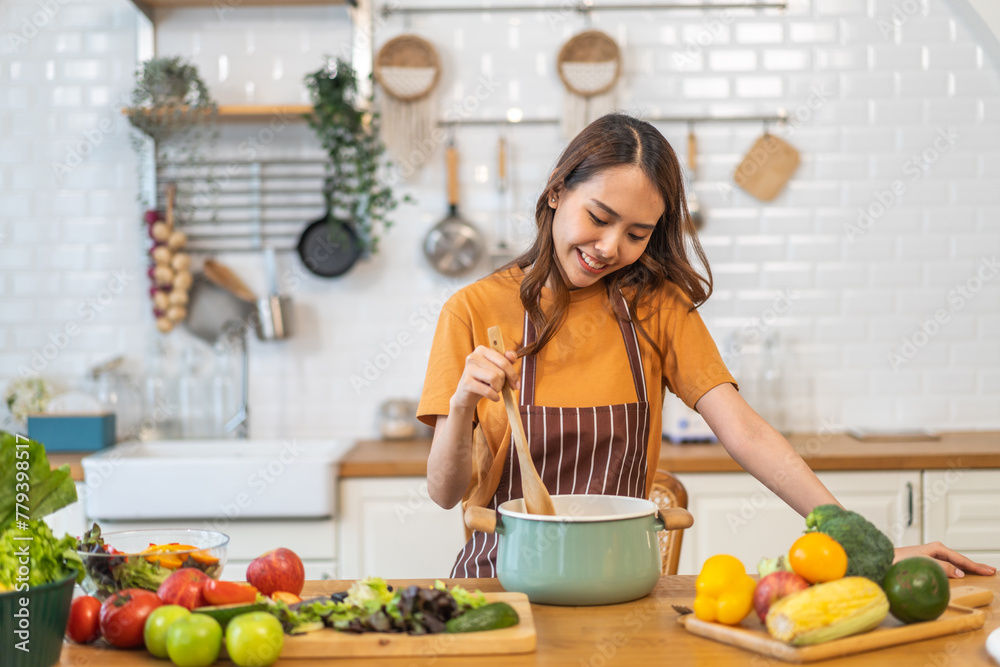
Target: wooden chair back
x=668 y=492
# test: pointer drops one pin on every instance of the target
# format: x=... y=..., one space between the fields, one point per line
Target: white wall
x=869 y=93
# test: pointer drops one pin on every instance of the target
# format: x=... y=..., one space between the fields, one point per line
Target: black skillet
x=329 y=247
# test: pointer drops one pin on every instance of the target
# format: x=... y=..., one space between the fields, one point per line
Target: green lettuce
x=29 y=490
x=47 y=490
x=48 y=558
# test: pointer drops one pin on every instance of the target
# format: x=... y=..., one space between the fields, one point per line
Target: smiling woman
x=603 y=312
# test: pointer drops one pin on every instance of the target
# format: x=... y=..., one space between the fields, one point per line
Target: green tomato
x=194 y=641
x=154 y=634
x=254 y=639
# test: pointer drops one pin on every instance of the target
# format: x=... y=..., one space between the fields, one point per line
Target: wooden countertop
x=636 y=633
x=967 y=449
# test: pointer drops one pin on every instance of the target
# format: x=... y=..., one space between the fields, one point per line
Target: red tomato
x=84 y=626
x=228 y=592
x=123 y=616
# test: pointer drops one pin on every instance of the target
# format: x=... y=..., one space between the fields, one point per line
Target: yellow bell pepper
x=724 y=591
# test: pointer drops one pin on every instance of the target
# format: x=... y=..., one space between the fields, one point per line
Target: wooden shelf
x=147 y=6
x=256 y=112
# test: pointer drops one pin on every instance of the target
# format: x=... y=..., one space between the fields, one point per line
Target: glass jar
x=398 y=419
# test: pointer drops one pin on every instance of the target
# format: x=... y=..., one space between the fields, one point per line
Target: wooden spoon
x=536 y=497
x=224 y=277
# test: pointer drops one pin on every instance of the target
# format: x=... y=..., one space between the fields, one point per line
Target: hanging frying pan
x=329 y=250
x=453 y=246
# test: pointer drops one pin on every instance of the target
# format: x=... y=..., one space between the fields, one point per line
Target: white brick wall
x=884 y=99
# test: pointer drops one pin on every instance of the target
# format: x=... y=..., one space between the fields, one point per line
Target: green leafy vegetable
x=49 y=558
x=869 y=550
x=25 y=469
x=30 y=490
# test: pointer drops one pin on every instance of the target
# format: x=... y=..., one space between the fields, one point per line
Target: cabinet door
x=960 y=509
x=389 y=527
x=736 y=514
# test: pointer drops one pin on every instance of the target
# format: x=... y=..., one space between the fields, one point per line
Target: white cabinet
x=736 y=514
x=390 y=528
x=960 y=510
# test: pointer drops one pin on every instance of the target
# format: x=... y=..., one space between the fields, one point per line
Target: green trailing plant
x=355 y=187
x=173 y=115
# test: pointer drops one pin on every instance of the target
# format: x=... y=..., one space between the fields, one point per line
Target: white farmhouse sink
x=195 y=479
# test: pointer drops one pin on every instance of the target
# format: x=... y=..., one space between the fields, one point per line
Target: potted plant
x=173 y=114
x=356 y=187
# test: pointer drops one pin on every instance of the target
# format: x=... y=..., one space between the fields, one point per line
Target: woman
x=601 y=311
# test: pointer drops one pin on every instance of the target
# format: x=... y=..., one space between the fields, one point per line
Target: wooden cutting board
x=328 y=643
x=751 y=634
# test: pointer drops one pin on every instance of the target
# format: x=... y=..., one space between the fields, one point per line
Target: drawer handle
x=909 y=504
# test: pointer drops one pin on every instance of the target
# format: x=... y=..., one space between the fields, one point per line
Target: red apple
x=277 y=570
x=183 y=587
x=774 y=587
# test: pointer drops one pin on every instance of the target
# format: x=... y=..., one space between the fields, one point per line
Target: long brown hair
x=611 y=141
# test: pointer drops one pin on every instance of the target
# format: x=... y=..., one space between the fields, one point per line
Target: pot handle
x=673 y=518
x=482 y=519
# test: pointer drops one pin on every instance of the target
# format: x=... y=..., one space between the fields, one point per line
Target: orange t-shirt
x=584 y=365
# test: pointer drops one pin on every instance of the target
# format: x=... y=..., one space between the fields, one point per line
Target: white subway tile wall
x=876 y=265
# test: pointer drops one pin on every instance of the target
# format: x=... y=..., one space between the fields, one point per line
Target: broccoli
x=869 y=551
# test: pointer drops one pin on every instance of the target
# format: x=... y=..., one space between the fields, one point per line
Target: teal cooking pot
x=595 y=550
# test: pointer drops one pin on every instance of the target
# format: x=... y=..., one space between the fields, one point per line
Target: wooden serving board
x=751 y=634
x=328 y=643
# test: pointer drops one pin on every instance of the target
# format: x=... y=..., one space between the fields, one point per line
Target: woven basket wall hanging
x=589 y=65
x=408 y=68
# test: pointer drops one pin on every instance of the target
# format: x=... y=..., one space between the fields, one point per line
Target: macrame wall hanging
x=407 y=67
x=589 y=65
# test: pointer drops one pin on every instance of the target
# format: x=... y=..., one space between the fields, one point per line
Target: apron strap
x=629 y=335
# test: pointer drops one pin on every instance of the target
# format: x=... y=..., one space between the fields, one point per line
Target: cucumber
x=227 y=612
x=488 y=617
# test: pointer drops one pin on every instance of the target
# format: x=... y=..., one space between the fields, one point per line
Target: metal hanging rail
x=582 y=8
x=779 y=117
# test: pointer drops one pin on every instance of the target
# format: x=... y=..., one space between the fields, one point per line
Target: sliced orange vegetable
x=204 y=558
x=169 y=561
x=286 y=597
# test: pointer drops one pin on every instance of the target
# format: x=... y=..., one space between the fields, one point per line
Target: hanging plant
x=355 y=186
x=173 y=115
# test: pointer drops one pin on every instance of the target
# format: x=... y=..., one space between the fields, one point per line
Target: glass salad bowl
x=145 y=558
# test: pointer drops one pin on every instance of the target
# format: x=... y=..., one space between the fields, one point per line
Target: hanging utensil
x=212 y=307
x=329 y=250
x=767 y=167
x=274 y=310
x=501 y=230
x=454 y=245
x=694 y=206
x=223 y=276
x=536 y=497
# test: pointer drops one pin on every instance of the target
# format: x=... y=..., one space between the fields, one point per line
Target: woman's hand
x=483 y=377
x=955 y=564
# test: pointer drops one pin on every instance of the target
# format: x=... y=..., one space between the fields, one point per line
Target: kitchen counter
x=636 y=633
x=966 y=449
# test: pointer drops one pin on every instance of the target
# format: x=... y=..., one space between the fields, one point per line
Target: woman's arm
x=449 y=465
x=768 y=456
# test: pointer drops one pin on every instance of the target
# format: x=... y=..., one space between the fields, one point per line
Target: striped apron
x=597 y=450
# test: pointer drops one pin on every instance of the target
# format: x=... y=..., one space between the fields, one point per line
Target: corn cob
x=829 y=611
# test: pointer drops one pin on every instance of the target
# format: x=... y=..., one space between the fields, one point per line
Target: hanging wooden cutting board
x=327 y=643
x=766 y=168
x=751 y=634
